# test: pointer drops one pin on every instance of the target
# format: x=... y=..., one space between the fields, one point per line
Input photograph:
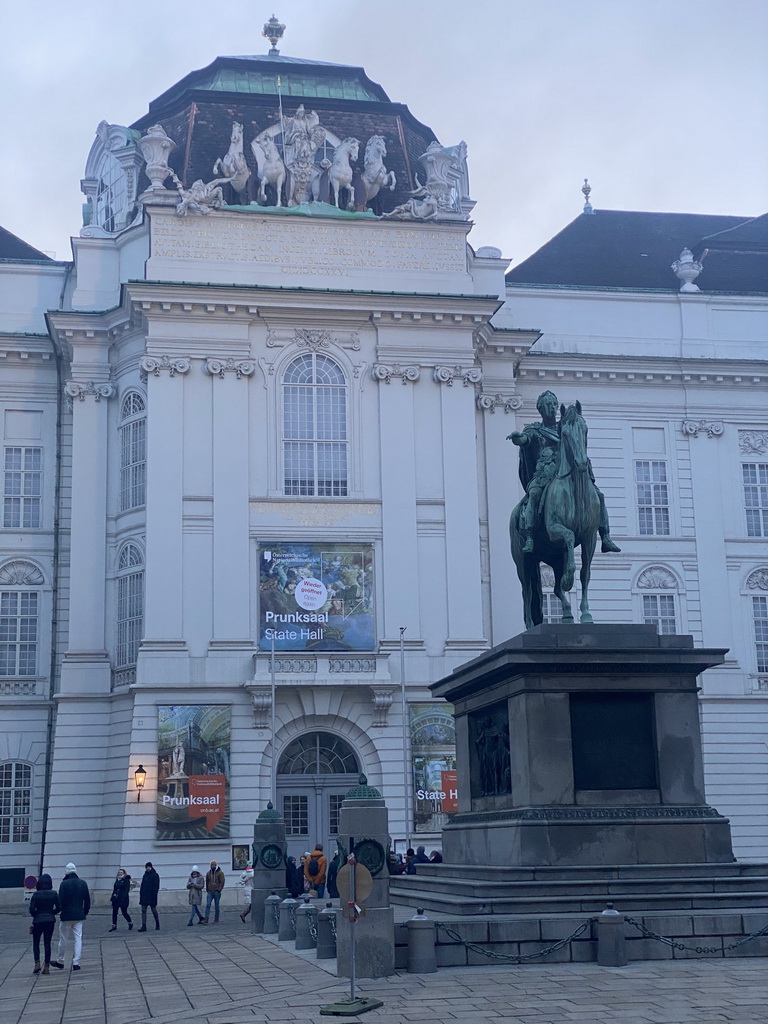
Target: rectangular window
x=22 y=488
x=133 y=464
x=659 y=611
x=652 y=497
x=130 y=618
x=296 y=815
x=760 y=617
x=552 y=608
x=755 y=476
x=334 y=807
x=315 y=441
x=18 y=633
x=15 y=802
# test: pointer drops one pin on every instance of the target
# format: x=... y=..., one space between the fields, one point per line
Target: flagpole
x=406 y=767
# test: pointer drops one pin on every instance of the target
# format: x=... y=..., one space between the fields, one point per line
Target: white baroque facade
x=211 y=381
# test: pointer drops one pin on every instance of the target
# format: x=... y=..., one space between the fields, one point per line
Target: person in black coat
x=294 y=878
x=150 y=886
x=120 y=898
x=333 y=870
x=44 y=906
x=74 y=906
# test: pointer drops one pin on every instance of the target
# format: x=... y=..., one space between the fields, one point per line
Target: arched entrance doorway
x=314 y=774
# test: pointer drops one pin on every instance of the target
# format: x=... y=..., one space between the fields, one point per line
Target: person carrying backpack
x=315 y=870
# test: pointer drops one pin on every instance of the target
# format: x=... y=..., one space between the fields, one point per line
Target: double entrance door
x=310 y=806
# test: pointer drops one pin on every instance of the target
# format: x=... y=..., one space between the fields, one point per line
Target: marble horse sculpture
x=562 y=509
x=234 y=166
x=375 y=175
x=271 y=168
x=340 y=174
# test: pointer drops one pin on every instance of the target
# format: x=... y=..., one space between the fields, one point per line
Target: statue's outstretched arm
x=517 y=437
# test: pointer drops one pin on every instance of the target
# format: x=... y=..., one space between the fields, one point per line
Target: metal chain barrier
x=276 y=913
x=312 y=928
x=508 y=958
x=332 y=920
x=648 y=934
x=292 y=915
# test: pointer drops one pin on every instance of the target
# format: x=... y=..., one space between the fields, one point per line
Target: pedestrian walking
x=120 y=898
x=195 y=886
x=315 y=870
x=246 y=880
x=333 y=870
x=214 y=883
x=44 y=906
x=150 y=886
x=74 y=904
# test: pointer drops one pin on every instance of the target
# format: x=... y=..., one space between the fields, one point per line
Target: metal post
x=353 y=919
x=406 y=765
x=273 y=773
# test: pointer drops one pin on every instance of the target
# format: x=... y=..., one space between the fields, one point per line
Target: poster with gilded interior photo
x=316 y=597
x=193 y=772
x=433 y=752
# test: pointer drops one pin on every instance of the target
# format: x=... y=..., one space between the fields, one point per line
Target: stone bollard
x=287 y=929
x=306 y=915
x=611 y=944
x=326 y=933
x=270 y=918
x=422 y=958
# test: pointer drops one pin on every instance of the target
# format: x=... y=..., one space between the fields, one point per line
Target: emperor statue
x=562 y=508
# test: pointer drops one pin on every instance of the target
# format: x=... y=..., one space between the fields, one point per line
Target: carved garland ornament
x=753 y=442
x=149 y=364
x=74 y=389
x=447 y=375
x=313 y=340
x=385 y=372
x=758 y=580
x=712 y=428
x=219 y=367
x=490 y=403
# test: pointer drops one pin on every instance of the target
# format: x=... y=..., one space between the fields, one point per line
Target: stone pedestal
x=269 y=852
x=580 y=745
x=364 y=831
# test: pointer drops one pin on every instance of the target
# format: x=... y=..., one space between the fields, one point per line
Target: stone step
x=599 y=871
x=637 y=902
x=457 y=885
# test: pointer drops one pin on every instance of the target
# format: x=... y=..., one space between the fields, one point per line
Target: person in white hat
x=195 y=886
x=75 y=902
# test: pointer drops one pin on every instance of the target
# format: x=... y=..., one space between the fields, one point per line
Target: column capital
x=154 y=364
x=218 y=366
x=490 y=403
x=75 y=389
x=466 y=374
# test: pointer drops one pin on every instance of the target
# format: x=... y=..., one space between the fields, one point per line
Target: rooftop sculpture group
x=562 y=509
x=287 y=165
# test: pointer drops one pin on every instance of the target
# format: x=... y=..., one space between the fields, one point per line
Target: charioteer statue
x=562 y=509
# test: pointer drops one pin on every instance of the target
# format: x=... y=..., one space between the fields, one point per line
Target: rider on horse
x=539 y=445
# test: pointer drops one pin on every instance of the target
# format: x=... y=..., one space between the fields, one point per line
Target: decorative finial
x=586 y=188
x=273 y=31
x=687 y=270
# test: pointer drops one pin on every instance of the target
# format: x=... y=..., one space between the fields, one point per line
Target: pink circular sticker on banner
x=311 y=594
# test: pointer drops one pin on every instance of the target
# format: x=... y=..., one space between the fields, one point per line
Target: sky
x=662 y=104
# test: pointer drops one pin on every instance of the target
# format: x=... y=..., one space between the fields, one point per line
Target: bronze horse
x=568 y=517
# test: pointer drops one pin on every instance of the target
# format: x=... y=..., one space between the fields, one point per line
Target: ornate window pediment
x=21 y=574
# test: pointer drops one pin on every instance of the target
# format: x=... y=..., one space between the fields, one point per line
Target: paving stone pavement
x=223 y=974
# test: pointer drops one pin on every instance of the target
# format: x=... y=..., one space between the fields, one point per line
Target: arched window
x=19 y=618
x=133 y=452
x=315 y=427
x=15 y=801
x=318 y=753
x=658 y=586
x=130 y=605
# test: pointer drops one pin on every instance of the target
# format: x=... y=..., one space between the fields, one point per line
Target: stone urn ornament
x=156 y=147
x=687 y=270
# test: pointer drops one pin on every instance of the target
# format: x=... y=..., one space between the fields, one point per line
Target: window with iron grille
x=22 y=488
x=755 y=477
x=133 y=452
x=652 y=497
x=315 y=427
x=296 y=815
x=130 y=605
x=18 y=632
x=659 y=611
x=760 y=619
x=15 y=801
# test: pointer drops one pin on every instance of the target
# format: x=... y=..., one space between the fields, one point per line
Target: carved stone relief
x=314 y=340
x=76 y=390
x=153 y=365
x=712 y=428
x=385 y=372
x=753 y=442
x=381 y=699
x=656 y=578
x=219 y=367
x=467 y=374
x=758 y=580
x=21 y=574
x=490 y=403
x=261 y=704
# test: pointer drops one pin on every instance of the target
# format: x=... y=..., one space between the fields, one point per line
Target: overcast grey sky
x=663 y=104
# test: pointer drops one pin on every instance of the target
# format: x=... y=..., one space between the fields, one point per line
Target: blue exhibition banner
x=316 y=597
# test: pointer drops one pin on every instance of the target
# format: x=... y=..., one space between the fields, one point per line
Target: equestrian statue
x=562 y=509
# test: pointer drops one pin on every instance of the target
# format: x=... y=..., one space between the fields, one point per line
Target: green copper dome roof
x=258 y=76
x=363 y=791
